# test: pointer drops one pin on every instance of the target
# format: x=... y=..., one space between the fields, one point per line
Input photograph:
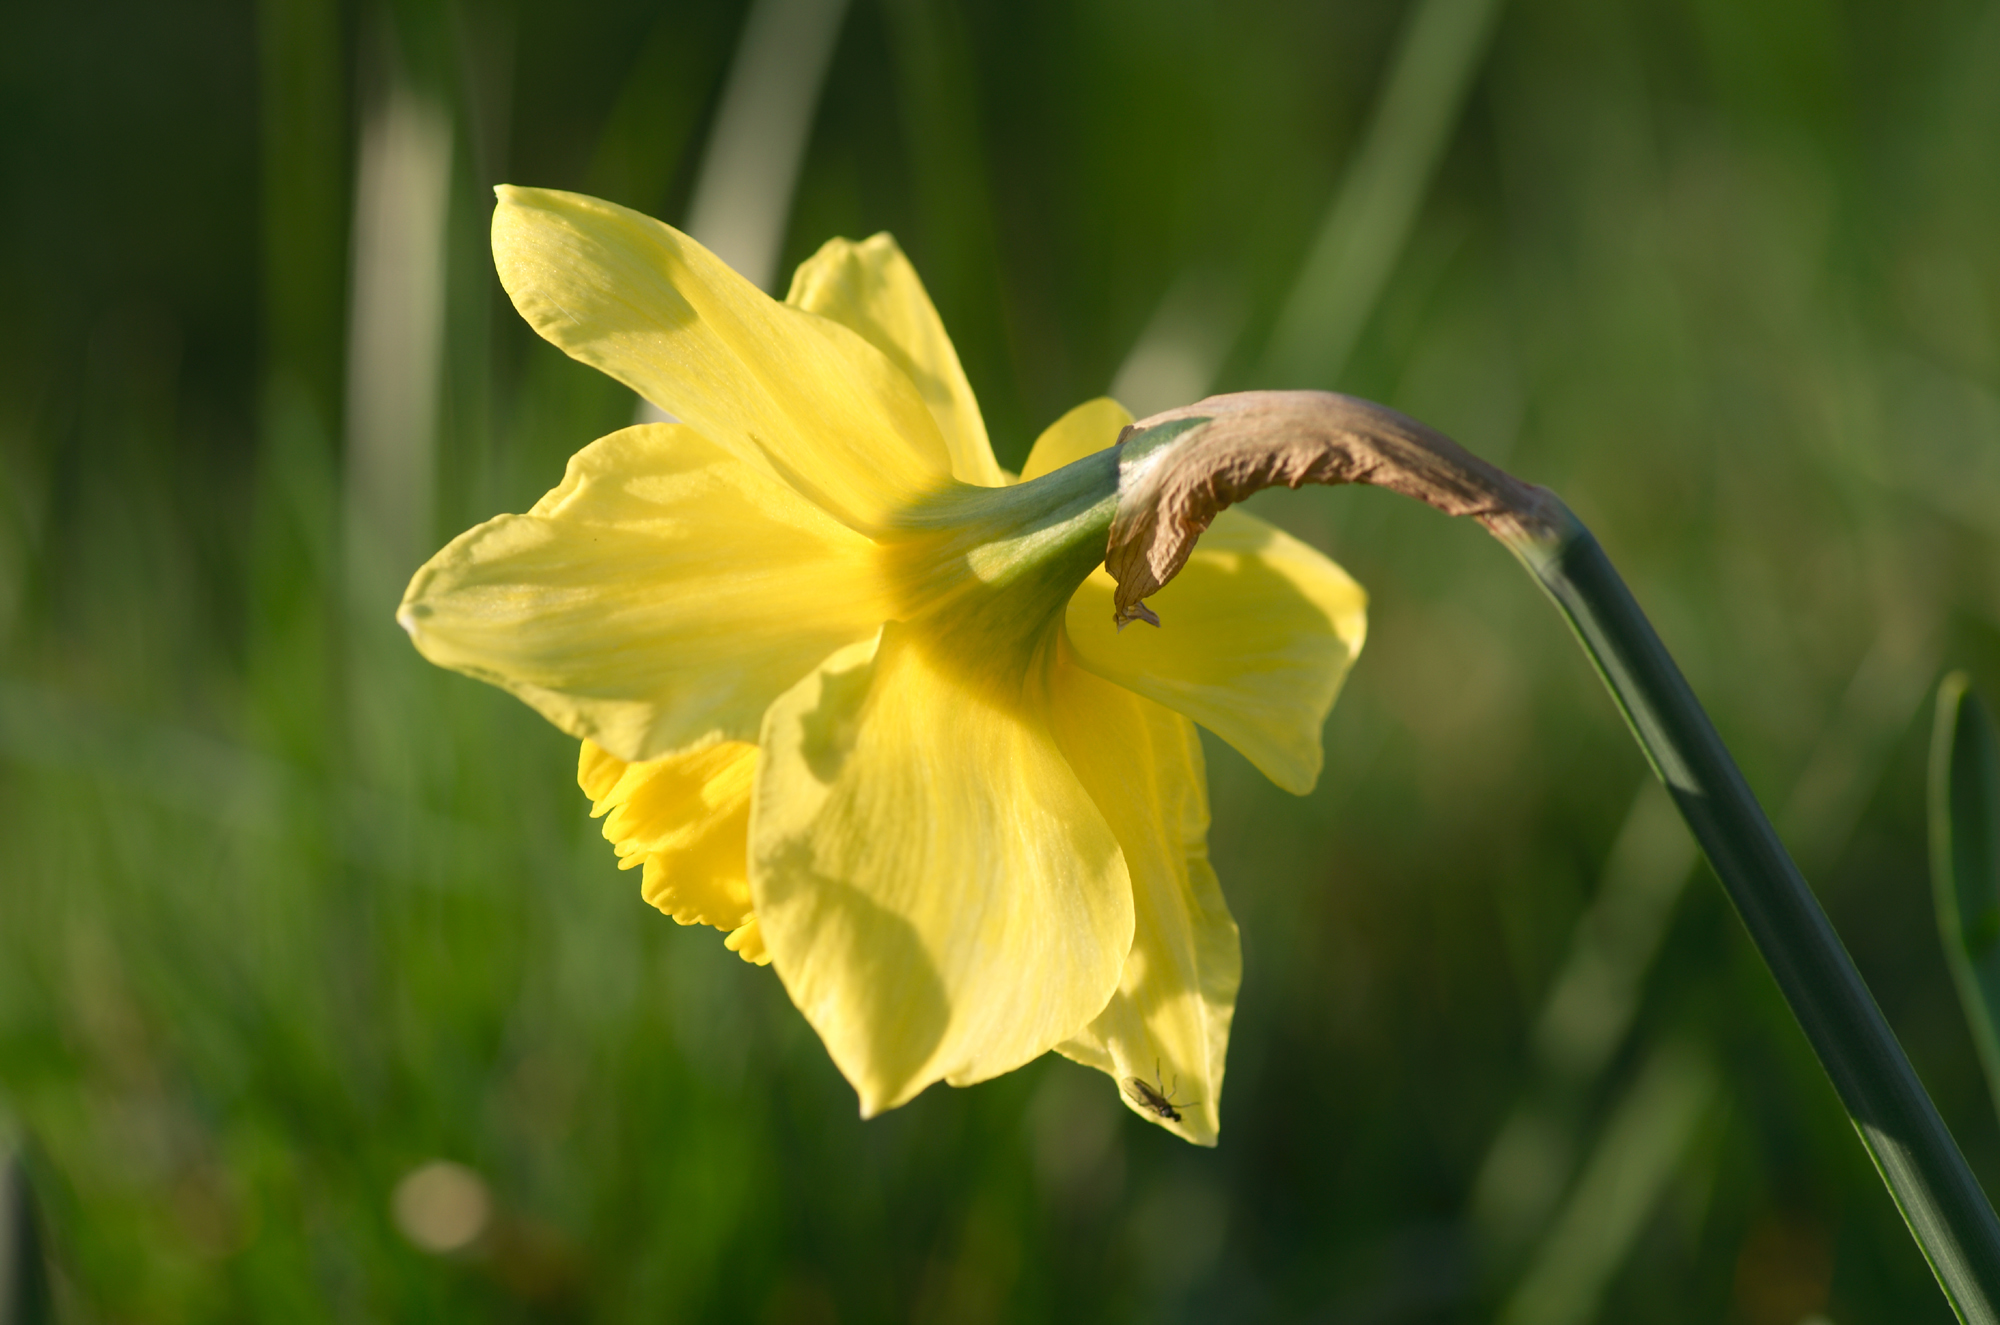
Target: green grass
x=284 y=912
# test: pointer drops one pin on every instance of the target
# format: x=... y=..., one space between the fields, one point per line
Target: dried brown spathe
x=1226 y=447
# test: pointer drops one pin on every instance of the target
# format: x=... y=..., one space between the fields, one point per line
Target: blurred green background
x=287 y=916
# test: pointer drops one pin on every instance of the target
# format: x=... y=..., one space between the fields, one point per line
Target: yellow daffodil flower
x=849 y=691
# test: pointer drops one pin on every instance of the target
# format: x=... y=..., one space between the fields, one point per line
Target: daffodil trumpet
x=850 y=692
x=1217 y=451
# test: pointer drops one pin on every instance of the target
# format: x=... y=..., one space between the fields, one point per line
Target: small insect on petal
x=1157 y=1100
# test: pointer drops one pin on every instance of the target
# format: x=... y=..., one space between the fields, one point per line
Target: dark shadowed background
x=320 y=996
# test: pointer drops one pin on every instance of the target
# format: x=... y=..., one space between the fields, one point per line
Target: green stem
x=1917 y=1158
x=1226 y=447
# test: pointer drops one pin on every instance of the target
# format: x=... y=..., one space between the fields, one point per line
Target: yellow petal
x=689 y=811
x=598 y=770
x=871 y=289
x=801 y=397
x=685 y=820
x=1085 y=430
x=1170 y=1017
x=1257 y=633
x=939 y=894
x=747 y=942
x=658 y=599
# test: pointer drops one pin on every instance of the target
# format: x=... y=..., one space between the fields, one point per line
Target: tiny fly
x=1153 y=1099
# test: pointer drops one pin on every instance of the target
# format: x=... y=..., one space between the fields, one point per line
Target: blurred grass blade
x=742 y=203
x=1590 y=1004
x=1965 y=858
x=395 y=344
x=1639 y=1153
x=1915 y=1154
x=24 y=1279
x=1359 y=240
x=743 y=198
x=1585 y=1017
x=1369 y=222
x=1178 y=355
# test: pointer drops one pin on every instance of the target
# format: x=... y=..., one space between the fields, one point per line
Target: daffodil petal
x=1257 y=634
x=747 y=942
x=1258 y=630
x=685 y=820
x=940 y=895
x=871 y=289
x=658 y=599
x=1170 y=1017
x=798 y=395
x=1085 y=430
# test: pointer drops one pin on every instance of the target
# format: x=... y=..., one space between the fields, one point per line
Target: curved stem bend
x=1219 y=450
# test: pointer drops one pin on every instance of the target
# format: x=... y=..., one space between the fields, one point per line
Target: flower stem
x=1919 y=1162
x=1226 y=447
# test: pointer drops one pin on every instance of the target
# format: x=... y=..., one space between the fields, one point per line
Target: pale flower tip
x=879 y=1097
x=747 y=942
x=1125 y=616
x=409 y=615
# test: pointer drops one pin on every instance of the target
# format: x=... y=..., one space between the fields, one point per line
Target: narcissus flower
x=851 y=692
